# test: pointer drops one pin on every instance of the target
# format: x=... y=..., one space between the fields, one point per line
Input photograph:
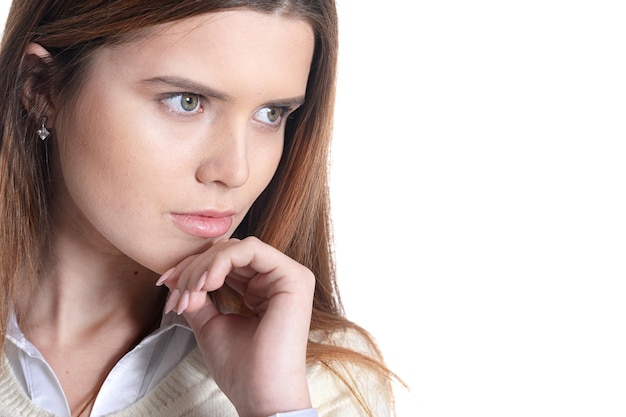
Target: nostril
x=231 y=171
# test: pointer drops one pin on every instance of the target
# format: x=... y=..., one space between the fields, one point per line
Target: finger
x=165 y=276
x=264 y=277
x=242 y=259
x=237 y=283
x=295 y=283
x=200 y=315
x=254 y=269
x=170 y=277
x=193 y=276
x=197 y=301
x=185 y=301
x=172 y=300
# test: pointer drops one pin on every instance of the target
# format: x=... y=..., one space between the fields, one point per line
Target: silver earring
x=42 y=132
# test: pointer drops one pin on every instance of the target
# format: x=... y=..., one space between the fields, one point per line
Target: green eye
x=189 y=102
x=273 y=114
x=270 y=115
x=184 y=104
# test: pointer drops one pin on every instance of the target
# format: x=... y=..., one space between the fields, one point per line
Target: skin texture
x=182 y=124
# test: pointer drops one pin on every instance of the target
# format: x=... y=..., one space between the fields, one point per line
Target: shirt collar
x=168 y=321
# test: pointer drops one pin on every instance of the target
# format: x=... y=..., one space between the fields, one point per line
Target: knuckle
x=307 y=278
x=251 y=240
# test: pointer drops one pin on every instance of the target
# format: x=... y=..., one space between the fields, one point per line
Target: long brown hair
x=292 y=214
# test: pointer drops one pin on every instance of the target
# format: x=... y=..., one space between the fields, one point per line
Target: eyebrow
x=189 y=86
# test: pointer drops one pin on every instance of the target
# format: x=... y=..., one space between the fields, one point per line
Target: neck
x=85 y=292
x=90 y=306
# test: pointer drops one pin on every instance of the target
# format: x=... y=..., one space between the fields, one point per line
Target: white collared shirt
x=136 y=374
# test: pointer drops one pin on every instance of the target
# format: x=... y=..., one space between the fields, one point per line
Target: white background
x=478 y=188
x=479 y=185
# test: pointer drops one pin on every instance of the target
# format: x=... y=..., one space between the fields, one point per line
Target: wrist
x=282 y=396
x=309 y=412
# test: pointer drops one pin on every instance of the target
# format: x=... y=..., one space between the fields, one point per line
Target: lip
x=206 y=224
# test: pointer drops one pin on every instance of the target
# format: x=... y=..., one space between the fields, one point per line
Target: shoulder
x=13 y=401
x=356 y=340
x=349 y=383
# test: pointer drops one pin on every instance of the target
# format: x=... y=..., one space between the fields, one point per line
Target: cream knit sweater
x=190 y=392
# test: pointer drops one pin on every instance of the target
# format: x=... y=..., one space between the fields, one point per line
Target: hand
x=259 y=362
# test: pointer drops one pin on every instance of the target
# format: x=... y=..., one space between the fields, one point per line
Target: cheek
x=116 y=200
x=264 y=165
x=109 y=181
x=112 y=151
x=94 y=164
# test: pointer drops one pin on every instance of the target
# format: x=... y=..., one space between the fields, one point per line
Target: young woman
x=164 y=210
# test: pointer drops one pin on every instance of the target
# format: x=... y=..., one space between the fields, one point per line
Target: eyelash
x=199 y=108
x=284 y=111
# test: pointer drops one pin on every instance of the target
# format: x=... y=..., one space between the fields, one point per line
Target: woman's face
x=173 y=136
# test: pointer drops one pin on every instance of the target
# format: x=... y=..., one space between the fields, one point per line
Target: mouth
x=205 y=224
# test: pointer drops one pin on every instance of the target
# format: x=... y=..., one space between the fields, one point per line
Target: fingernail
x=202 y=281
x=172 y=300
x=183 y=303
x=165 y=276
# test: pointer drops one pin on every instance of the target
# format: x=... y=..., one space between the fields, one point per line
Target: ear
x=35 y=76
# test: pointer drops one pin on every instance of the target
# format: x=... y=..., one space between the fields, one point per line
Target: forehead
x=210 y=46
x=219 y=27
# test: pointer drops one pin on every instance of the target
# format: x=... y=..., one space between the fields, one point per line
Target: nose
x=225 y=157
